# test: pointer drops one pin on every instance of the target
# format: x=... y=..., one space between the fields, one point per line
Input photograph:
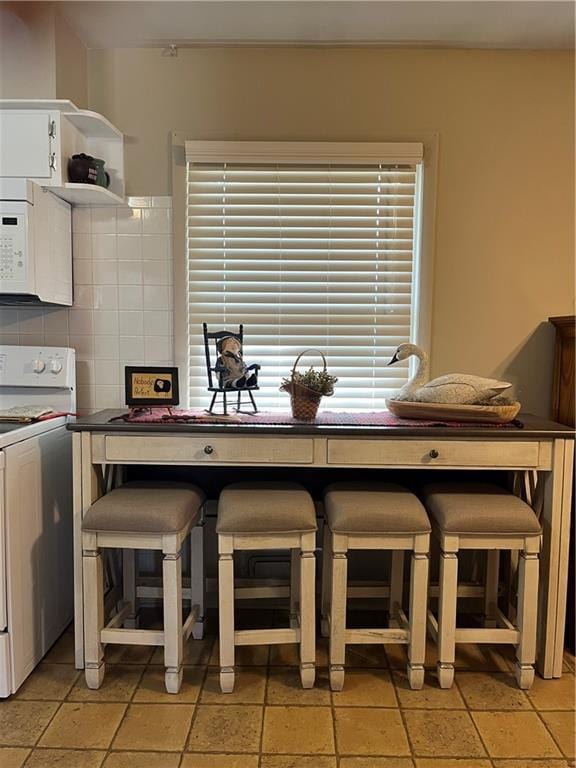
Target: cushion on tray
x=366 y=508
x=145 y=507
x=480 y=508
x=267 y=507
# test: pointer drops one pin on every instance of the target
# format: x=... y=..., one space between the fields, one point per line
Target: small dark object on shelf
x=82 y=169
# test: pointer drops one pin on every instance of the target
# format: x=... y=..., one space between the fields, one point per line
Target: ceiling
x=426 y=23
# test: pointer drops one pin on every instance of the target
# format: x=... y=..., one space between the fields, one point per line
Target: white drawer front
x=209 y=449
x=433 y=453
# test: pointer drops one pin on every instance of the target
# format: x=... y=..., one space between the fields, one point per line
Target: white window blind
x=304 y=255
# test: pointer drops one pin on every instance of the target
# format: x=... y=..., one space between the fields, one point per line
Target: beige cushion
x=478 y=508
x=266 y=507
x=374 y=508
x=145 y=507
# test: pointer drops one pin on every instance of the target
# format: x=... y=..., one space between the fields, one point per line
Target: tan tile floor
x=484 y=721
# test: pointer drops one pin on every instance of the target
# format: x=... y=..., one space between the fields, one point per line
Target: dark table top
x=535 y=427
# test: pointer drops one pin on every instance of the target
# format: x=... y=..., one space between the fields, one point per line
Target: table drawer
x=433 y=453
x=209 y=449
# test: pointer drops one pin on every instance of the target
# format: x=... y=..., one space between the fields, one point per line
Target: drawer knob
x=208 y=449
x=433 y=453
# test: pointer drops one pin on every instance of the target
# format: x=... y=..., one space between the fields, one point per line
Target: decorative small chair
x=482 y=516
x=268 y=515
x=139 y=515
x=219 y=386
x=375 y=516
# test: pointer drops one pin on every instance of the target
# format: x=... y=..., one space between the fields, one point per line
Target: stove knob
x=38 y=366
x=55 y=366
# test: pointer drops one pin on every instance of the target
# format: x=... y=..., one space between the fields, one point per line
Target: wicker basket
x=304 y=401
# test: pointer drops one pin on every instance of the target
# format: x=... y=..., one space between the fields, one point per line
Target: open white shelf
x=76 y=131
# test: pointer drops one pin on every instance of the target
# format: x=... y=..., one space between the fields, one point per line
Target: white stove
x=36 y=576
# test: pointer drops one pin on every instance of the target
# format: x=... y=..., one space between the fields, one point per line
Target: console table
x=539 y=459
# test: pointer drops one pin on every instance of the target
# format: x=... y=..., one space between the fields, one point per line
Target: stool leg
x=447 y=618
x=93 y=583
x=226 y=612
x=173 y=640
x=326 y=575
x=307 y=611
x=197 y=578
x=396 y=587
x=527 y=615
x=491 y=587
x=338 y=587
x=129 y=586
x=418 y=606
x=294 y=587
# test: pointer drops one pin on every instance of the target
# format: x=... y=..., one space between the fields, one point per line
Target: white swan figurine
x=454 y=388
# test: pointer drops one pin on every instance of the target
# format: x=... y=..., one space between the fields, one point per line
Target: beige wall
x=27 y=51
x=504 y=252
x=71 y=64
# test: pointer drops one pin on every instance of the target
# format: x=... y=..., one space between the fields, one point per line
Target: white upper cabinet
x=37 y=138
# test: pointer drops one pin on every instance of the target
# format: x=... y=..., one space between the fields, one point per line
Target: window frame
x=302 y=152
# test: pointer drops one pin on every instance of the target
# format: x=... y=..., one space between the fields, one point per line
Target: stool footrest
x=132 y=636
x=376 y=636
x=483 y=635
x=266 y=636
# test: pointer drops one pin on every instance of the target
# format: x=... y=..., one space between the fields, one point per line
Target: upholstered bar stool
x=482 y=516
x=268 y=515
x=375 y=516
x=139 y=515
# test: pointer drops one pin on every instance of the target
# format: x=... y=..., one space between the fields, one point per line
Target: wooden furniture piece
x=138 y=516
x=563 y=388
x=481 y=516
x=539 y=457
x=213 y=368
x=257 y=516
x=375 y=516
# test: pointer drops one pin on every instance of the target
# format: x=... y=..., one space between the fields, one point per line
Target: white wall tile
x=31 y=339
x=128 y=221
x=105 y=272
x=162 y=202
x=132 y=348
x=8 y=338
x=85 y=372
x=156 y=221
x=158 y=348
x=84 y=346
x=156 y=247
x=139 y=202
x=81 y=321
x=157 y=323
x=104 y=220
x=31 y=321
x=9 y=320
x=81 y=247
x=82 y=272
x=83 y=297
x=130 y=297
x=105 y=322
x=107 y=397
x=157 y=297
x=129 y=272
x=107 y=372
x=106 y=348
x=81 y=220
x=156 y=272
x=106 y=297
x=85 y=397
x=131 y=323
x=104 y=246
x=56 y=320
x=129 y=247
x=55 y=340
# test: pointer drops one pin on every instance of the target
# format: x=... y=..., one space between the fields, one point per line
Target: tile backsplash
x=123 y=307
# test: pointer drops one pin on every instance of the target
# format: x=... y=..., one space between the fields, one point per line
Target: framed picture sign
x=150 y=387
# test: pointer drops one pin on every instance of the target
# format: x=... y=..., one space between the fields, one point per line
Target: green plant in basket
x=318 y=381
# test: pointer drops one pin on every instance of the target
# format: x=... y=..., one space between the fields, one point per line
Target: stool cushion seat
x=376 y=508
x=145 y=507
x=478 y=508
x=265 y=507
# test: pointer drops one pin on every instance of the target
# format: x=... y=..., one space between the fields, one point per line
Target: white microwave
x=35 y=245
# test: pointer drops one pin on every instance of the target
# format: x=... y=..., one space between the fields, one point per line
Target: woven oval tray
x=496 y=414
